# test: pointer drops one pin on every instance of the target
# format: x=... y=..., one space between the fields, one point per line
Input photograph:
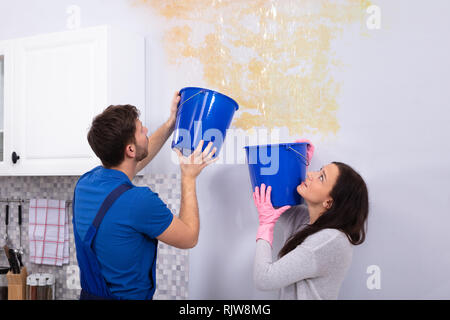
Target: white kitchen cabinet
x=55 y=86
x=6 y=63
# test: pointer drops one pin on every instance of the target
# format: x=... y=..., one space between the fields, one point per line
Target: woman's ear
x=327 y=203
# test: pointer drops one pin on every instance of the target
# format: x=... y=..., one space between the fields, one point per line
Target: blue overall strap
x=107 y=203
x=93 y=284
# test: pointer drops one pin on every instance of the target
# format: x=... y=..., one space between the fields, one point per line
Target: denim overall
x=93 y=284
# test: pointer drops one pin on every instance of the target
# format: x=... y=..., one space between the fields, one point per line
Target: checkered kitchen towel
x=48 y=231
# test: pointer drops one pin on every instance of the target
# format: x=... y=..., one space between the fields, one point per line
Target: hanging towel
x=66 y=239
x=48 y=232
x=309 y=148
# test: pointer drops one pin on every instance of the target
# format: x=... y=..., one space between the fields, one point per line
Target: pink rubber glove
x=268 y=215
x=309 y=148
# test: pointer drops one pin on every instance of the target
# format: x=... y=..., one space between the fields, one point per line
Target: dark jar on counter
x=3 y=283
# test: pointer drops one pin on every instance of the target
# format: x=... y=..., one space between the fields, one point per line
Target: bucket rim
x=277 y=144
x=213 y=92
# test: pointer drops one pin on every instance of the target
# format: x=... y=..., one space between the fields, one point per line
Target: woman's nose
x=309 y=176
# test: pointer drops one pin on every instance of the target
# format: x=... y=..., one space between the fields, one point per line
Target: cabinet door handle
x=15 y=157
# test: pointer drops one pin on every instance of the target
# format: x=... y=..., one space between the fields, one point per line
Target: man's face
x=141 y=141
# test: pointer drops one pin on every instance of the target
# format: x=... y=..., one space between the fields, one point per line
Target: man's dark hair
x=111 y=131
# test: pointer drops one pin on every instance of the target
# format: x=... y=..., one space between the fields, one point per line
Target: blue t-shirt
x=123 y=245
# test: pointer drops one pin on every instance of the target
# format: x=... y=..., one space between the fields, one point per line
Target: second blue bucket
x=202 y=114
x=282 y=166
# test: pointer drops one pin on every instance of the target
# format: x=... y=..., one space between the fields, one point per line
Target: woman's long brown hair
x=348 y=212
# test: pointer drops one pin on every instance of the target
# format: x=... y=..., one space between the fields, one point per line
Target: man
x=116 y=224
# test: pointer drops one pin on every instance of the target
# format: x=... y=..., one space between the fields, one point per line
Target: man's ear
x=130 y=150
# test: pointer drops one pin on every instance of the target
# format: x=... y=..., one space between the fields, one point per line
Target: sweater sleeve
x=297 y=265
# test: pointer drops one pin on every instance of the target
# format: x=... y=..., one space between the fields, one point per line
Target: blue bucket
x=282 y=166
x=203 y=114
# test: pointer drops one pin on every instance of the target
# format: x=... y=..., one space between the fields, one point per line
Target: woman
x=314 y=260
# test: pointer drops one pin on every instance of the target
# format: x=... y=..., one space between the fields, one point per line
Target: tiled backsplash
x=172 y=269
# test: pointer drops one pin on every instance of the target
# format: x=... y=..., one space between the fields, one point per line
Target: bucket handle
x=201 y=91
x=307 y=162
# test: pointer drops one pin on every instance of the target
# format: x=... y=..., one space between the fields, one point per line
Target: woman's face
x=317 y=186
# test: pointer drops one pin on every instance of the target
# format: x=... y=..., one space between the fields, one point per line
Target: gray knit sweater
x=313 y=270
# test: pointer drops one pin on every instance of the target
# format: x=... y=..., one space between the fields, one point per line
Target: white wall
x=1 y=94
x=393 y=112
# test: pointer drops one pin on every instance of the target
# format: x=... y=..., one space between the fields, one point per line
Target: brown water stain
x=273 y=57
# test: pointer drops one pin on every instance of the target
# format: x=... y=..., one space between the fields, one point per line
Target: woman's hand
x=268 y=215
